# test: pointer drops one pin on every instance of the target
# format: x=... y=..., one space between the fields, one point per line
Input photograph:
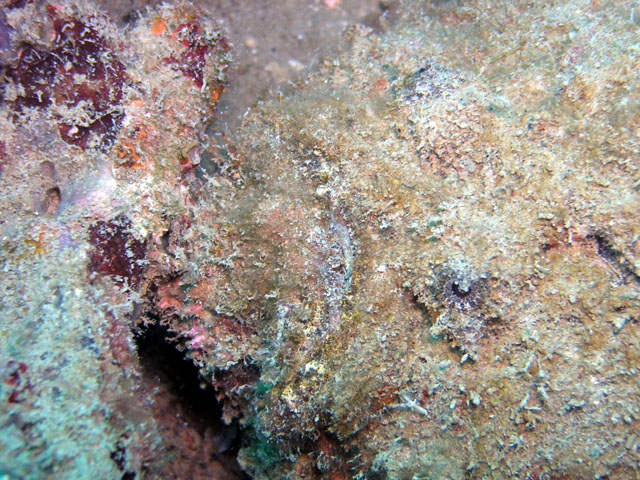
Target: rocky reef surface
x=421 y=261
x=101 y=129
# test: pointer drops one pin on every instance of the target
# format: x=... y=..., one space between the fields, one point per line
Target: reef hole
x=198 y=443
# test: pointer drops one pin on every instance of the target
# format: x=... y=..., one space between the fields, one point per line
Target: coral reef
x=100 y=133
x=420 y=261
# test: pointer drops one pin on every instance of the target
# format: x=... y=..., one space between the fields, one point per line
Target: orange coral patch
x=159 y=26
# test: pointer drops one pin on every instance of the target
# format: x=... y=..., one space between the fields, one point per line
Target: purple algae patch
x=193 y=60
x=79 y=72
x=3 y=156
x=117 y=252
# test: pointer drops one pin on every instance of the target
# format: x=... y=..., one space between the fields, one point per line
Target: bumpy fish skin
x=485 y=332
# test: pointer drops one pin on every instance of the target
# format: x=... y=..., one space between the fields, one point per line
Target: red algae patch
x=78 y=73
x=117 y=252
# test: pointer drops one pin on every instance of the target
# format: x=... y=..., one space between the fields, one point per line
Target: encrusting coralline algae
x=420 y=261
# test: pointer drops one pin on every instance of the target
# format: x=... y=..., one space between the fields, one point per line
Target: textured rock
x=99 y=136
x=480 y=319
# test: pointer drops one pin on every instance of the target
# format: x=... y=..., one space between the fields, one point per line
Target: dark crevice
x=614 y=257
x=159 y=355
x=605 y=249
x=119 y=456
x=185 y=405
